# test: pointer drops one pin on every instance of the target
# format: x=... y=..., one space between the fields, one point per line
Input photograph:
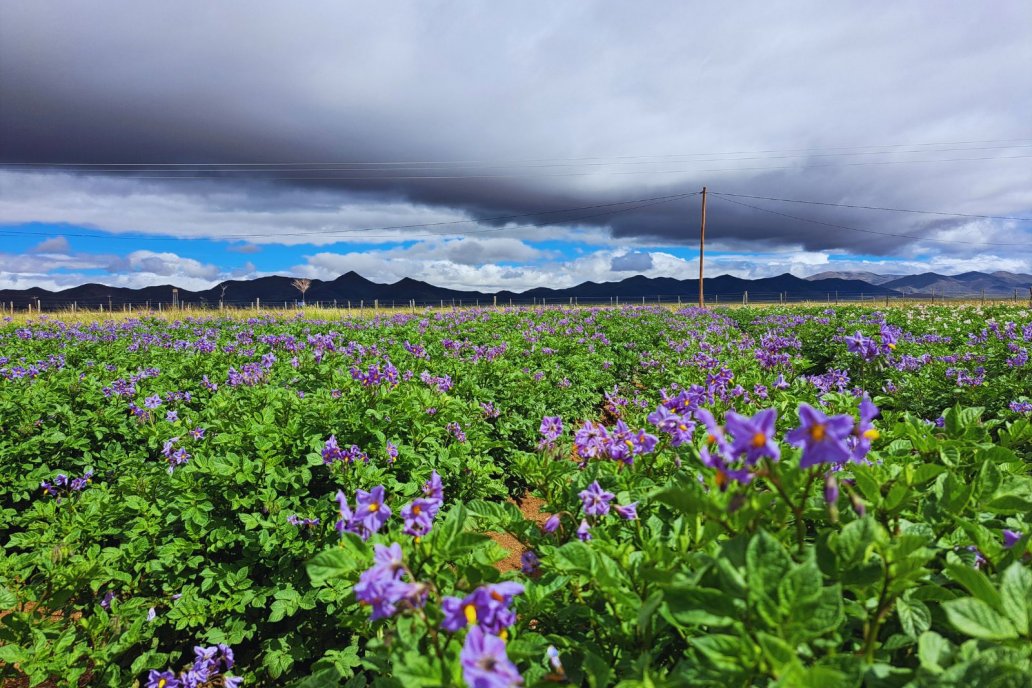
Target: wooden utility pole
x=702 y=246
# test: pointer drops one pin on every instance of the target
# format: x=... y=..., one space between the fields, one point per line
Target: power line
x=641 y=203
x=135 y=175
x=869 y=231
x=874 y=207
x=255 y=168
x=527 y=160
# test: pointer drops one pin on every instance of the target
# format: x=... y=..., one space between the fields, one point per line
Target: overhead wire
x=133 y=175
x=874 y=207
x=815 y=151
x=641 y=203
x=870 y=231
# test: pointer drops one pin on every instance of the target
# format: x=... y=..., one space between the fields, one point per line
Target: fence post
x=376 y=306
x=495 y=304
x=983 y=297
x=745 y=298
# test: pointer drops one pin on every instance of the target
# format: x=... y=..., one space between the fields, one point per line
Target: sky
x=488 y=145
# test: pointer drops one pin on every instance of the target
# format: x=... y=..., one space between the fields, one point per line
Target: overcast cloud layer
x=486 y=110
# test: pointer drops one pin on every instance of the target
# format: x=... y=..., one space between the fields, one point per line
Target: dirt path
x=530 y=507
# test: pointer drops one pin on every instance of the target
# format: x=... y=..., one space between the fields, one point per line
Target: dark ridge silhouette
x=278 y=290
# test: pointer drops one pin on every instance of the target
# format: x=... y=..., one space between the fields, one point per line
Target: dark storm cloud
x=548 y=84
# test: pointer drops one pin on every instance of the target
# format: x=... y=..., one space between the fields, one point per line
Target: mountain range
x=997 y=284
x=351 y=287
x=279 y=291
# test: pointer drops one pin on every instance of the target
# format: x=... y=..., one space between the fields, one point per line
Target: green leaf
x=8 y=600
x=976 y=583
x=1016 y=594
x=779 y=654
x=692 y=606
x=337 y=562
x=975 y=618
x=599 y=672
x=932 y=650
x=726 y=652
x=766 y=564
x=914 y=616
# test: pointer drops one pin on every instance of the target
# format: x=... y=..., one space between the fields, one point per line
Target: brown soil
x=23 y=681
x=530 y=507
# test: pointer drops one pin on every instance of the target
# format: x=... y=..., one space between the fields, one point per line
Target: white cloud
x=635 y=261
x=58 y=245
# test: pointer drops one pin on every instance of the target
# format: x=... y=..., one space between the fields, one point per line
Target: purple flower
x=162 y=679
x=485 y=663
x=552 y=524
x=865 y=347
x=346 y=515
x=152 y=402
x=392 y=452
x=1010 y=538
x=724 y=473
x=551 y=429
x=822 y=437
x=629 y=511
x=590 y=441
x=529 y=562
x=584 y=531
x=172 y=416
x=381 y=586
x=486 y=607
x=714 y=433
x=753 y=437
x=419 y=516
x=296 y=520
x=456 y=430
x=831 y=488
x=680 y=428
x=596 y=500
x=864 y=432
x=331 y=452
x=197 y=433
x=370 y=511
x=433 y=488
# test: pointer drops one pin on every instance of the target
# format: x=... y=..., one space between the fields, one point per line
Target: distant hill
x=869 y=277
x=996 y=284
x=278 y=290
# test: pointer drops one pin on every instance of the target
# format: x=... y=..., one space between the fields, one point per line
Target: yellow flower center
x=496 y=597
x=817 y=432
x=721 y=479
x=471 y=613
x=629 y=443
x=162 y=683
x=504 y=635
x=892 y=346
x=872 y=434
x=416 y=510
x=711 y=438
x=682 y=426
x=374 y=507
x=759 y=439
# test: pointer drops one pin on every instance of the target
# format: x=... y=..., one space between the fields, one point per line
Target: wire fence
x=44 y=304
